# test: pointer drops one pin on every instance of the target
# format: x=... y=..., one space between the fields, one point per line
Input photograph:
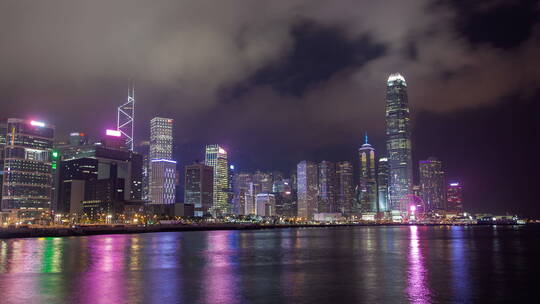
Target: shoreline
x=102 y=230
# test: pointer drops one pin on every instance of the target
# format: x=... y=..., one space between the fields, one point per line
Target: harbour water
x=395 y=264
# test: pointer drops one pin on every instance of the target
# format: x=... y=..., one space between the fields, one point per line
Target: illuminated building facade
x=161 y=138
x=125 y=122
x=103 y=166
x=432 y=184
x=3 y=131
x=78 y=139
x=240 y=192
x=216 y=157
x=368 y=178
x=345 y=189
x=199 y=188
x=454 y=197
x=162 y=181
x=266 y=204
x=383 y=176
x=27 y=178
x=327 y=187
x=162 y=169
x=307 y=189
x=398 y=140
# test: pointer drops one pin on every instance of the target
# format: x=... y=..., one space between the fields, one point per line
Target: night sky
x=277 y=82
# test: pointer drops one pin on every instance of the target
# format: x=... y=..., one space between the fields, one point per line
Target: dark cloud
x=317 y=53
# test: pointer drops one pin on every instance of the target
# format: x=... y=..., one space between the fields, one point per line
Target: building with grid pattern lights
x=27 y=178
x=161 y=138
x=162 y=167
x=398 y=140
x=216 y=157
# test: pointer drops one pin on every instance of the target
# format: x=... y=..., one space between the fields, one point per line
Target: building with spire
x=398 y=140
x=126 y=118
x=368 y=178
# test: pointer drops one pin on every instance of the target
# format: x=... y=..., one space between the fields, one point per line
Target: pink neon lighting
x=114 y=133
x=37 y=123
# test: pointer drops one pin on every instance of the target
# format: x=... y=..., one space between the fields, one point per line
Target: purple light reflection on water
x=104 y=280
x=417 y=287
x=220 y=273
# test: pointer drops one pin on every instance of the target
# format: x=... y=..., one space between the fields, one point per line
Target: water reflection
x=380 y=265
x=220 y=273
x=103 y=282
x=417 y=287
x=460 y=275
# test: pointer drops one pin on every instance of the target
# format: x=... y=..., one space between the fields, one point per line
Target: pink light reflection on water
x=417 y=287
x=220 y=271
x=104 y=280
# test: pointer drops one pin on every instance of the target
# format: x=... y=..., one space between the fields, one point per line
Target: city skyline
x=285 y=151
x=323 y=111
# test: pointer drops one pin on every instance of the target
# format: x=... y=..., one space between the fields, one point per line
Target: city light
x=115 y=133
x=163 y=160
x=37 y=123
x=231 y=167
x=454 y=184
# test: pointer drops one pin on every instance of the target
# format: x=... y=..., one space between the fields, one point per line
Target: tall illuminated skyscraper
x=307 y=189
x=216 y=157
x=327 y=187
x=161 y=138
x=345 y=188
x=27 y=178
x=126 y=118
x=432 y=184
x=382 y=184
x=398 y=140
x=162 y=166
x=368 y=178
x=454 y=197
x=3 y=133
x=199 y=188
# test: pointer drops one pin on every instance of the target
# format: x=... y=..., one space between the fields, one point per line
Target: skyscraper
x=162 y=166
x=345 y=189
x=27 y=178
x=382 y=184
x=307 y=189
x=368 y=178
x=240 y=192
x=265 y=204
x=398 y=140
x=454 y=197
x=161 y=138
x=432 y=184
x=327 y=187
x=3 y=133
x=216 y=157
x=126 y=118
x=199 y=188
x=162 y=181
